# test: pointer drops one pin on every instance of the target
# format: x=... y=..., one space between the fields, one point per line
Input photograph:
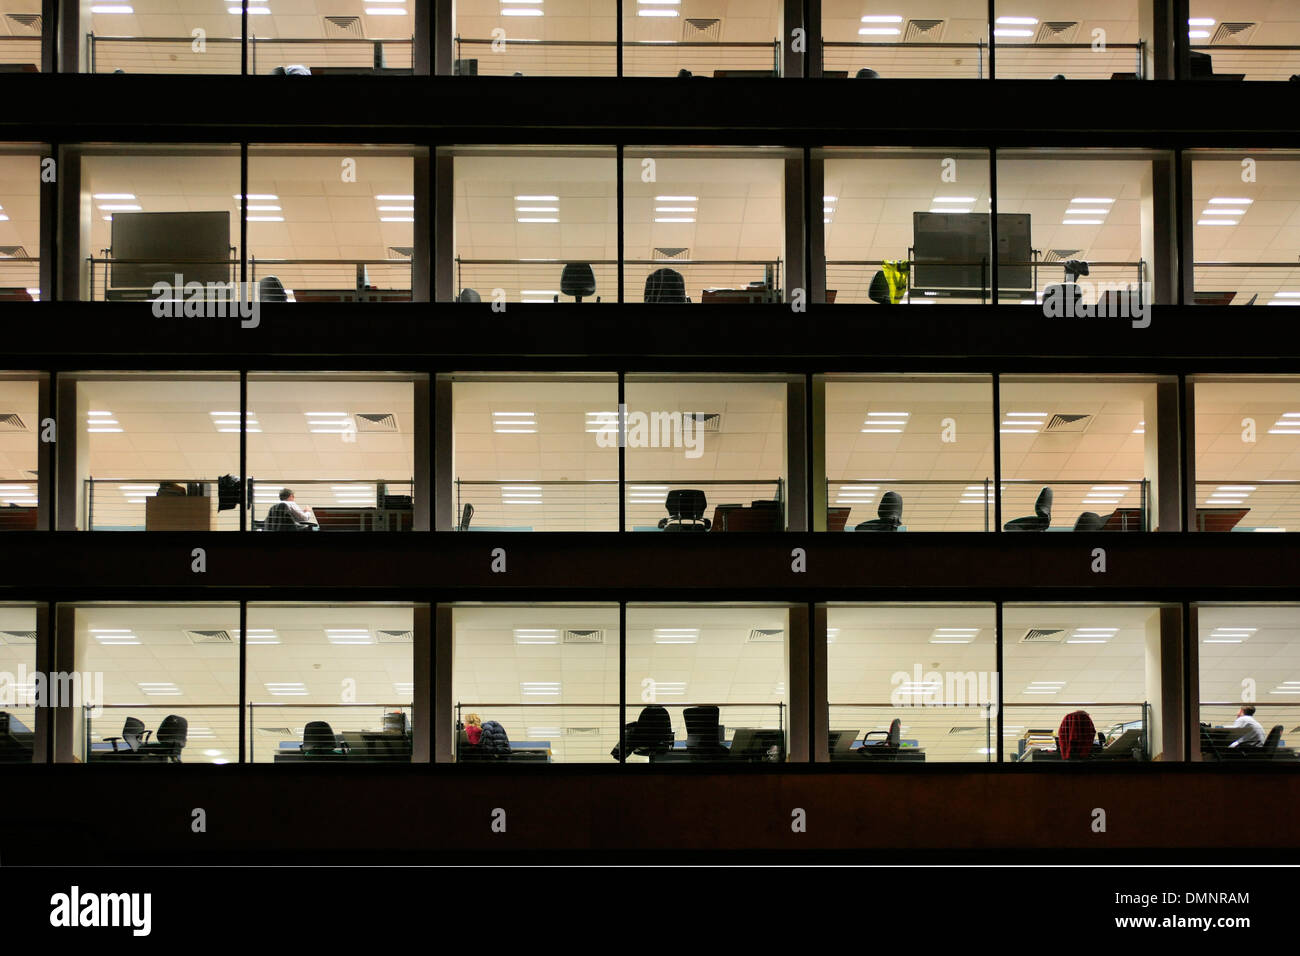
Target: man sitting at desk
x=301 y=516
x=1254 y=735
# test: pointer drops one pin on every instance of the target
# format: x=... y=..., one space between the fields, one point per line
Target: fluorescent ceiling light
x=397 y=219
x=348 y=635
x=1086 y=212
x=879 y=31
x=532 y=219
x=829 y=199
x=121 y=207
x=1025 y=414
x=525 y=635
x=1019 y=21
x=953 y=199
x=675 y=198
x=947 y=209
x=1223 y=212
x=1200 y=21
x=881 y=431
x=517 y=198
x=681 y=209
x=387 y=197
x=677 y=635
x=883 y=18
x=674 y=219
x=1081 y=200
x=1081 y=222
x=1230 y=201
x=656 y=13
x=286 y=689
x=529 y=208
x=539 y=688
x=1198 y=34
x=112 y=8
x=253 y=11
x=266 y=218
x=1216 y=222
x=401 y=12
x=109 y=196
x=1013 y=33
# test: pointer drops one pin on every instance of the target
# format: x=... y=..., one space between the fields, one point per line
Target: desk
x=1124 y=519
x=364 y=519
x=177 y=513
x=362 y=746
x=18 y=518
x=351 y=295
x=15 y=295
x=754 y=518
x=15 y=740
x=751 y=296
x=1219 y=519
x=837 y=518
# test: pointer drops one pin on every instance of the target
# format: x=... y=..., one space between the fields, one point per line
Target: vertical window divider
x=243 y=678
x=1191 y=681
x=618 y=187
x=1186 y=479
x=243 y=45
x=618 y=59
x=622 y=681
x=622 y=452
x=244 y=503
x=1001 y=695
x=997 y=454
x=993 y=16
x=993 y=221
x=243 y=219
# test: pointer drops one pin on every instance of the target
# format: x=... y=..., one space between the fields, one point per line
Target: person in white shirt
x=300 y=514
x=1254 y=735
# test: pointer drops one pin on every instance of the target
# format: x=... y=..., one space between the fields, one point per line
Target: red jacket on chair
x=1076 y=735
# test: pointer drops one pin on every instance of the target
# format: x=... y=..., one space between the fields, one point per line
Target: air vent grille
x=1068 y=423
x=402 y=252
x=584 y=636
x=376 y=422
x=582 y=731
x=923 y=31
x=393 y=637
x=1238 y=33
x=11 y=422
x=701 y=31
x=712 y=421
x=1043 y=635
x=13 y=252
x=18 y=637
x=1060 y=255
x=24 y=24
x=283 y=732
x=1057 y=31
x=980 y=729
x=672 y=252
x=209 y=637
x=343 y=27
x=766 y=635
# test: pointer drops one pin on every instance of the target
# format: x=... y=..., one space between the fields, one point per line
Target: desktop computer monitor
x=948 y=250
x=753 y=743
x=840 y=741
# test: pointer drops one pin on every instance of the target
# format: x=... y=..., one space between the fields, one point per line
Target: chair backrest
x=891 y=507
x=878 y=291
x=894 y=740
x=1076 y=735
x=173 y=732
x=665 y=285
x=1089 y=521
x=577 y=279
x=318 y=738
x=1043 y=505
x=866 y=74
x=687 y=503
x=1273 y=739
x=279 y=518
x=133 y=733
x=466 y=514
x=468 y=295
x=701 y=725
x=271 y=289
x=653 y=730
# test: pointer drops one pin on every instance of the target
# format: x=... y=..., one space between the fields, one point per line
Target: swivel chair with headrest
x=1039 y=520
x=134 y=736
x=890 y=512
x=704 y=733
x=468 y=295
x=170 y=740
x=319 y=742
x=1089 y=521
x=577 y=280
x=866 y=73
x=280 y=518
x=1270 y=745
x=665 y=285
x=686 y=511
x=650 y=735
x=271 y=289
x=890 y=743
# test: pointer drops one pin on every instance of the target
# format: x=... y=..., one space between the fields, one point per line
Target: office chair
x=665 y=285
x=170 y=740
x=1075 y=268
x=577 y=280
x=271 y=289
x=318 y=741
x=1269 y=747
x=686 y=505
x=866 y=74
x=280 y=518
x=892 y=740
x=1039 y=520
x=296 y=70
x=683 y=73
x=468 y=295
x=651 y=734
x=1089 y=521
x=133 y=736
x=466 y=514
x=1076 y=735
x=704 y=733
x=890 y=512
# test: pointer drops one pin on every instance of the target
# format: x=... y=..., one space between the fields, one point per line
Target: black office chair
x=280 y=518
x=577 y=280
x=878 y=291
x=133 y=736
x=319 y=742
x=468 y=295
x=173 y=733
x=1039 y=520
x=890 y=743
x=686 y=511
x=665 y=285
x=271 y=289
x=651 y=734
x=1089 y=521
x=1271 y=742
x=890 y=512
x=466 y=514
x=683 y=73
x=866 y=74
x=704 y=733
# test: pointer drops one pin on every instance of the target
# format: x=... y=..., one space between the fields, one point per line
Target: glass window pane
x=331 y=223
x=164 y=36
x=577 y=38
x=535 y=453
x=168 y=670
x=909 y=453
x=1039 y=40
x=931 y=668
x=20 y=220
x=18 y=690
x=546 y=674
x=1248 y=454
x=19 y=433
x=536 y=225
x=1249 y=658
x=330 y=682
x=1100 y=659
x=707 y=683
x=705 y=454
x=342 y=444
x=370 y=39
x=1077 y=454
x=882 y=39
x=1246 y=210
x=906 y=226
x=738 y=38
x=151 y=448
x=704 y=224
x=1251 y=42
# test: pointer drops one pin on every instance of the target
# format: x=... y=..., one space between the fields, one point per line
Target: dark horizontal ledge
x=453 y=566
x=654 y=111
x=610 y=337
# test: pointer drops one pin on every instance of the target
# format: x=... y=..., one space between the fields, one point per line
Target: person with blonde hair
x=473 y=729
